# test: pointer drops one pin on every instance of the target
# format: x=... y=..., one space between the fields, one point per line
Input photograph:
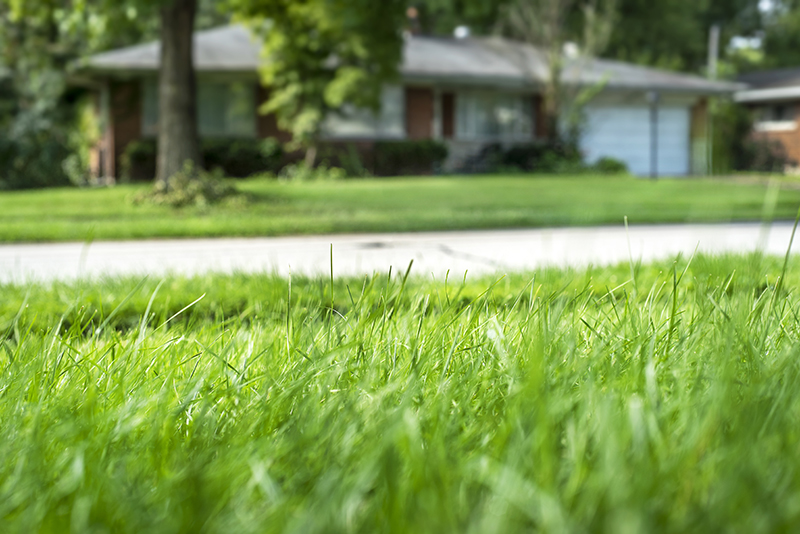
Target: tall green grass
x=662 y=398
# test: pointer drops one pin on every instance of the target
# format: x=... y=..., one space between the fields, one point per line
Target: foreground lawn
x=390 y=205
x=663 y=398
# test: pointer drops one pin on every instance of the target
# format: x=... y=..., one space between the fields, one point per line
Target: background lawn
x=391 y=205
x=658 y=398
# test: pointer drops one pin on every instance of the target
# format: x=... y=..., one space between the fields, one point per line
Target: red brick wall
x=419 y=113
x=126 y=119
x=790 y=141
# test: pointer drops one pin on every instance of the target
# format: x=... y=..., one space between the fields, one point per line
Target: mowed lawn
x=391 y=205
x=655 y=398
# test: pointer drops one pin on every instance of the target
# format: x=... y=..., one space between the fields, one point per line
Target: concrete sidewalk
x=433 y=253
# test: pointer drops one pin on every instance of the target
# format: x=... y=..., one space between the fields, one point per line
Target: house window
x=775 y=118
x=483 y=115
x=355 y=123
x=224 y=109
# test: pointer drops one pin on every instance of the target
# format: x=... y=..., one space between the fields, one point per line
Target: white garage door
x=623 y=133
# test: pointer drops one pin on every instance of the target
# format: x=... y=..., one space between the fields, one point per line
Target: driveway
x=434 y=253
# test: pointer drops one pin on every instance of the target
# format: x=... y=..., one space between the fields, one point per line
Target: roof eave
x=129 y=71
x=767 y=95
x=510 y=82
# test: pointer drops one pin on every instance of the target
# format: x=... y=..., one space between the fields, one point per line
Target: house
x=773 y=96
x=467 y=92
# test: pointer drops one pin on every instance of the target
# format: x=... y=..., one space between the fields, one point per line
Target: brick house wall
x=789 y=139
x=419 y=113
x=126 y=120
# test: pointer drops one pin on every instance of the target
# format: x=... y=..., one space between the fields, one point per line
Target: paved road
x=433 y=253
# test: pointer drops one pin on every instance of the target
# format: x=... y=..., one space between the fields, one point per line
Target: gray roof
x=771 y=78
x=479 y=60
x=770 y=86
x=228 y=48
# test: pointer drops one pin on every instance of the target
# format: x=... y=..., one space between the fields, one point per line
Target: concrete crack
x=467 y=256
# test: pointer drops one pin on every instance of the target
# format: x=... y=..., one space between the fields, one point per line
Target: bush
x=240 y=158
x=189 y=187
x=42 y=138
x=236 y=158
x=531 y=157
x=354 y=158
x=138 y=162
x=610 y=166
x=33 y=161
x=300 y=172
x=764 y=155
x=396 y=158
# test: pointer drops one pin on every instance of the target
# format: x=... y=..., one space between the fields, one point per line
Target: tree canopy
x=781 y=35
x=43 y=134
x=323 y=54
x=671 y=34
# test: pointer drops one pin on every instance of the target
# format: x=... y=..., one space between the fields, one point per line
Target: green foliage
x=610 y=166
x=396 y=205
x=138 y=161
x=543 y=158
x=673 y=34
x=539 y=157
x=443 y=16
x=239 y=158
x=33 y=160
x=737 y=148
x=355 y=160
x=323 y=53
x=653 y=398
x=191 y=187
x=397 y=158
x=44 y=134
x=301 y=172
x=781 y=43
x=234 y=158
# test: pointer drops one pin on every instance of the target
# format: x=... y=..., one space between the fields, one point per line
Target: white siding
x=623 y=133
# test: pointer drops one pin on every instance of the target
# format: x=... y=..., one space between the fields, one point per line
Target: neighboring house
x=773 y=96
x=466 y=92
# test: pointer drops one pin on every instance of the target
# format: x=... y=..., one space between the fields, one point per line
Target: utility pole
x=652 y=99
x=713 y=55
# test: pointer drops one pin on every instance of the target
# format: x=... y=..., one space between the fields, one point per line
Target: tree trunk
x=177 y=92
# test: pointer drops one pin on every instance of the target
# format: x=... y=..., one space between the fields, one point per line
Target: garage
x=624 y=133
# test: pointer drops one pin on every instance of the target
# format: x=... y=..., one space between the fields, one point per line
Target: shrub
x=354 y=158
x=529 y=157
x=610 y=166
x=236 y=158
x=394 y=158
x=764 y=155
x=33 y=161
x=189 y=187
x=138 y=162
x=300 y=172
x=239 y=158
x=42 y=140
